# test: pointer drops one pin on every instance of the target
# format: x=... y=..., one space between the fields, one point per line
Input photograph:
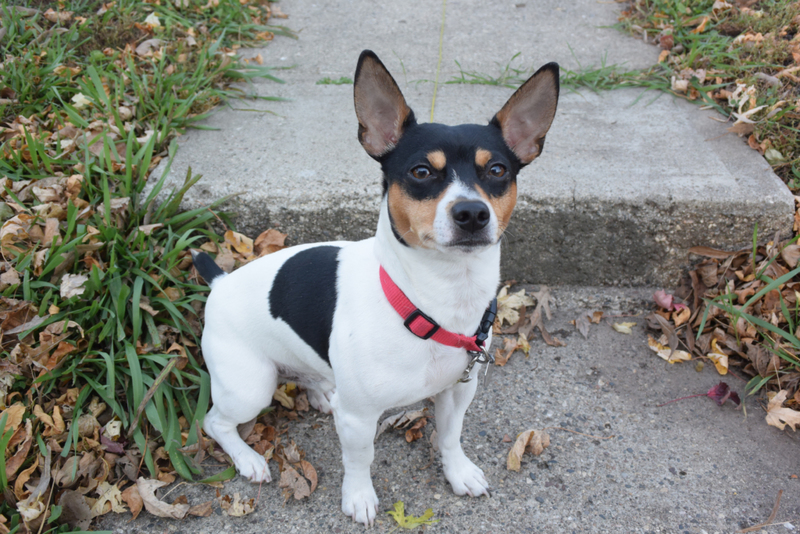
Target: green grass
x=82 y=103
x=344 y=80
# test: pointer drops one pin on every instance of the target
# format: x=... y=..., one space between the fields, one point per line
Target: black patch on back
x=304 y=295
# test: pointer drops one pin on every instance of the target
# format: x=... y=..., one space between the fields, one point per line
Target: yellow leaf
x=281 y=396
x=681 y=316
x=623 y=328
x=110 y=500
x=663 y=351
x=241 y=243
x=778 y=415
x=508 y=305
x=409 y=522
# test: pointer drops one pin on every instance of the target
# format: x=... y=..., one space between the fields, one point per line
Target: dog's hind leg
x=239 y=395
x=465 y=477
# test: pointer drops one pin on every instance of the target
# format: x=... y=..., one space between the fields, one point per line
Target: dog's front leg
x=465 y=477
x=356 y=433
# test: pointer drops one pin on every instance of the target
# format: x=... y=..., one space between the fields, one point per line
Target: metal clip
x=477 y=357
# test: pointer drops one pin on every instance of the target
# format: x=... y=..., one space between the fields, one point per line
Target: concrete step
x=624 y=187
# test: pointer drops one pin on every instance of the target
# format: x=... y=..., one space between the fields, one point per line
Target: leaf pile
x=102 y=384
x=742 y=314
x=740 y=57
x=513 y=318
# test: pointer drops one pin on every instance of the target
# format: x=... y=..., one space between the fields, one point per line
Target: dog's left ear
x=528 y=114
x=380 y=107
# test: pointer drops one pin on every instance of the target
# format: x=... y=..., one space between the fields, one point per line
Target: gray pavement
x=690 y=466
x=622 y=190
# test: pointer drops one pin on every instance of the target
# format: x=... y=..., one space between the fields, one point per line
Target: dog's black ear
x=526 y=117
x=380 y=107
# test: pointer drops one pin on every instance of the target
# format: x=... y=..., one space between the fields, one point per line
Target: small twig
x=769 y=519
x=576 y=432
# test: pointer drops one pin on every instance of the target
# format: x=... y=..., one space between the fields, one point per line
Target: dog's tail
x=205 y=265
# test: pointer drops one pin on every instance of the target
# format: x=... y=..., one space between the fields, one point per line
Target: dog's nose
x=470 y=215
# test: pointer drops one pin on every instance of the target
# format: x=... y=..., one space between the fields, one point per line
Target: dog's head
x=451 y=187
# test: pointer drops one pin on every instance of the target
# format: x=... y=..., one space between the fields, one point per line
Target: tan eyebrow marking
x=482 y=157
x=437 y=159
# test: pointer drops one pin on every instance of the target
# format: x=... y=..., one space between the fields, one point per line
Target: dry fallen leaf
x=533 y=441
x=508 y=305
x=72 y=285
x=293 y=484
x=236 y=507
x=133 y=500
x=400 y=420
x=660 y=348
x=780 y=416
x=154 y=505
x=623 y=328
x=75 y=510
x=109 y=500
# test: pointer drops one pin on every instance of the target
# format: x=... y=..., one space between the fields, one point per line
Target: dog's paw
x=252 y=465
x=465 y=477
x=320 y=400
x=359 y=501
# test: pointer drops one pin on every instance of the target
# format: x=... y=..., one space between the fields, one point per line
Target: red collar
x=424 y=327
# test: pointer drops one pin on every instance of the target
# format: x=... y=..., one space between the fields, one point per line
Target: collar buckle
x=414 y=328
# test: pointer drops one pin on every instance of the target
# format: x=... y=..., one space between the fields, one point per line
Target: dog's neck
x=452 y=288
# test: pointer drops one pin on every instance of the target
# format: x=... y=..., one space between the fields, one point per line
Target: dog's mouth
x=470 y=243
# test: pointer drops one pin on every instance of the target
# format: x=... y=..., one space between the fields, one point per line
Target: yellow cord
x=439 y=63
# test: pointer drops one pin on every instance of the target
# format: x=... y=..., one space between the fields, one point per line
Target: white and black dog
x=385 y=322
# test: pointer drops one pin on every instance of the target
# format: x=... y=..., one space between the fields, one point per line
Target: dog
x=388 y=321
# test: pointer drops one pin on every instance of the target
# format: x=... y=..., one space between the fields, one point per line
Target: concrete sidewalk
x=622 y=190
x=688 y=467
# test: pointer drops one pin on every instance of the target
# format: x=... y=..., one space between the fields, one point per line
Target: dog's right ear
x=381 y=109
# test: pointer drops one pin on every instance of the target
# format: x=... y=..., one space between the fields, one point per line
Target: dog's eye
x=421 y=172
x=497 y=170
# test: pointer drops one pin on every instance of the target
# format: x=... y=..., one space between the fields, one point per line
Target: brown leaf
x=400 y=420
x=15 y=462
x=597 y=317
x=201 y=510
x=14 y=415
x=681 y=315
x=779 y=416
x=310 y=473
x=268 y=242
x=550 y=340
x=415 y=432
x=133 y=500
x=236 y=507
x=501 y=357
x=582 y=324
x=75 y=510
x=156 y=506
x=708 y=273
x=790 y=255
x=19 y=485
x=293 y=484
x=532 y=441
x=742 y=128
